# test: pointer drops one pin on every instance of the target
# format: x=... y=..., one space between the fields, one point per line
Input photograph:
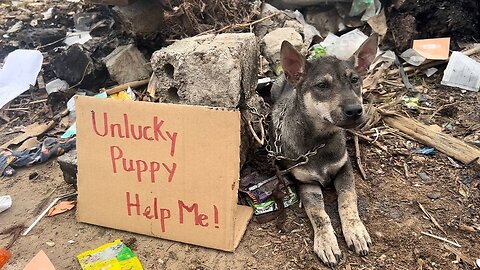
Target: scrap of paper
x=61 y=207
x=40 y=262
x=19 y=71
x=434 y=48
x=463 y=72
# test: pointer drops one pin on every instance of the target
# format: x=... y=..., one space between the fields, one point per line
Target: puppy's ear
x=364 y=56
x=293 y=63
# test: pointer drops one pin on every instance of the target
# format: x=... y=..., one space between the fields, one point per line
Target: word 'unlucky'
x=153 y=132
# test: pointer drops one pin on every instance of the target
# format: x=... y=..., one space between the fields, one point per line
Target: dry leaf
x=463 y=190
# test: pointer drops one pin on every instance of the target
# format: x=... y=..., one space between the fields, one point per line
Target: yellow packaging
x=111 y=256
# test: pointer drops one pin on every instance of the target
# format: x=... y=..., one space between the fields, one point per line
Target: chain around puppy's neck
x=277 y=155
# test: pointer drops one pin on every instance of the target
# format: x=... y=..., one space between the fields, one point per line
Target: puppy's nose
x=353 y=111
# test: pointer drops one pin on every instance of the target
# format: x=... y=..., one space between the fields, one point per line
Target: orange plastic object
x=4 y=256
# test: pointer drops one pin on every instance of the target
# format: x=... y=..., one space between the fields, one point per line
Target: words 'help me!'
x=137 y=207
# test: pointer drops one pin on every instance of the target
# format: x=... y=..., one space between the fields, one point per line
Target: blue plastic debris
x=425 y=151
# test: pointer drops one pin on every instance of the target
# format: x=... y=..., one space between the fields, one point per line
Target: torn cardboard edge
x=204 y=136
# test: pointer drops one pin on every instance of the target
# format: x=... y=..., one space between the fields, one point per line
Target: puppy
x=313 y=103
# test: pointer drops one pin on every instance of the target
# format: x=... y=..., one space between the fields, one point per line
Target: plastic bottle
x=4 y=256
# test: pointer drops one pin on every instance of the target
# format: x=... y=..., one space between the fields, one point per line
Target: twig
x=358 y=157
x=37 y=101
x=124 y=86
x=391 y=83
x=378 y=75
x=404 y=76
x=46 y=210
x=15 y=232
x=44 y=202
x=405 y=168
x=460 y=255
x=434 y=221
x=83 y=76
x=237 y=26
x=376 y=143
x=51 y=43
x=441 y=108
x=17 y=109
x=442 y=239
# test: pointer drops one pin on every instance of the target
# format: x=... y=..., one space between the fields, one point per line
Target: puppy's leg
x=325 y=243
x=354 y=231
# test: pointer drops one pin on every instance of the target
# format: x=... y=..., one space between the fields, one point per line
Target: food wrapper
x=270 y=205
x=111 y=256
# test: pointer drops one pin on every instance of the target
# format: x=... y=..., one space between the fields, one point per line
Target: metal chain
x=277 y=153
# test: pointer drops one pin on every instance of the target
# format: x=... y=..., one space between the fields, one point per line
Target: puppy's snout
x=354 y=111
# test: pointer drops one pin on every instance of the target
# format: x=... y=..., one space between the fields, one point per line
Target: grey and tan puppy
x=313 y=103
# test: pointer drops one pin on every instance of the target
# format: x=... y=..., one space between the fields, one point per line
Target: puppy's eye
x=322 y=85
x=354 y=80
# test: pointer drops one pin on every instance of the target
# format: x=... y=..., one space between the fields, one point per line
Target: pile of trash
x=131 y=53
x=104 y=50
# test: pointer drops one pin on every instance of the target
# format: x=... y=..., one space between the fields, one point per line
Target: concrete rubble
x=127 y=64
x=83 y=70
x=272 y=42
x=218 y=71
x=68 y=165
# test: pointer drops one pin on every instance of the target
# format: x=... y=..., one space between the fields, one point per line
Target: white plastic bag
x=5 y=202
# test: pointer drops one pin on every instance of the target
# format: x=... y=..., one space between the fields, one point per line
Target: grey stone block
x=217 y=71
x=127 y=64
x=68 y=165
x=272 y=42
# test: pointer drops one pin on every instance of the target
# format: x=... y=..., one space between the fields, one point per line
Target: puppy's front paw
x=357 y=237
x=326 y=246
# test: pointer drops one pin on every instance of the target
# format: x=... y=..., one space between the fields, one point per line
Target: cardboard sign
x=165 y=170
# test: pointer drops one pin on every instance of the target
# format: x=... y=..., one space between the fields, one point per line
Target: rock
x=272 y=42
x=294 y=24
x=141 y=18
x=326 y=21
x=97 y=24
x=76 y=67
x=434 y=195
x=16 y=27
x=267 y=25
x=127 y=64
x=217 y=71
x=423 y=176
x=50 y=243
x=84 y=21
x=56 y=86
x=68 y=165
x=32 y=38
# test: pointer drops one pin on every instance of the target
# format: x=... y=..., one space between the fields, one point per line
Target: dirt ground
x=398 y=179
x=387 y=201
